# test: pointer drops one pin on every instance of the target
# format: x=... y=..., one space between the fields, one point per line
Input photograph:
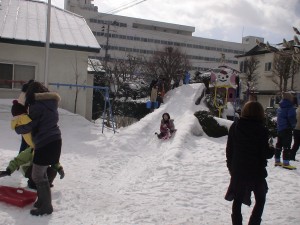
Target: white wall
x=63 y=67
x=265 y=78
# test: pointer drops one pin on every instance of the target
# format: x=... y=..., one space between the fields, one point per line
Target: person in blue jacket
x=187 y=77
x=286 y=121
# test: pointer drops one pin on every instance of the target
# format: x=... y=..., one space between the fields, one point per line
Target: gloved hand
x=5 y=173
x=61 y=172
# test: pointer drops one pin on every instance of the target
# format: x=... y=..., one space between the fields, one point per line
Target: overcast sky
x=226 y=20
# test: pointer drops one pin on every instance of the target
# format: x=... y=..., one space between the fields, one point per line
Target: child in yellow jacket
x=19 y=113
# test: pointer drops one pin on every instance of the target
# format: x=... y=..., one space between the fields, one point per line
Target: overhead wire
x=129 y=5
x=125 y=6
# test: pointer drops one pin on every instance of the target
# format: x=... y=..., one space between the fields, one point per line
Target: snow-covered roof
x=24 y=22
x=94 y=65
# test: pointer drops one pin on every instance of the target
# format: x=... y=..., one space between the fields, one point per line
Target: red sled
x=16 y=196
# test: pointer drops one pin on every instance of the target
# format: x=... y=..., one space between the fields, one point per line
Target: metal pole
x=106 y=48
x=47 y=44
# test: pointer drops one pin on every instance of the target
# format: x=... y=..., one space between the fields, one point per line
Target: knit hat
x=17 y=108
x=288 y=96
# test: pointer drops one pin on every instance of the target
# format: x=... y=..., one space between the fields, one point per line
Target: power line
x=125 y=6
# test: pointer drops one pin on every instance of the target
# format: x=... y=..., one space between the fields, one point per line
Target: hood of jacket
x=47 y=96
x=285 y=103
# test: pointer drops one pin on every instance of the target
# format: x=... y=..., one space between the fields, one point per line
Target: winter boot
x=38 y=202
x=286 y=160
x=254 y=221
x=237 y=219
x=277 y=157
x=44 y=200
x=293 y=155
x=277 y=153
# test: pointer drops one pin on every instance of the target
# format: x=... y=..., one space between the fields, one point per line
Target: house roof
x=24 y=22
x=95 y=66
x=257 y=50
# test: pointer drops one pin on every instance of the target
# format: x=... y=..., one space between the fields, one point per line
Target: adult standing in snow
x=159 y=99
x=296 y=134
x=247 y=152
x=152 y=84
x=153 y=96
x=286 y=121
x=187 y=77
x=43 y=110
x=161 y=86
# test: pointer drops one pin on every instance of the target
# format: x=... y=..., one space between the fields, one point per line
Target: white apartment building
x=120 y=36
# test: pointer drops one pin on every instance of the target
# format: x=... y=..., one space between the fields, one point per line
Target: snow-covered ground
x=131 y=178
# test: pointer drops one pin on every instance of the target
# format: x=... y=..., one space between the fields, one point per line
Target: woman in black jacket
x=46 y=136
x=247 y=152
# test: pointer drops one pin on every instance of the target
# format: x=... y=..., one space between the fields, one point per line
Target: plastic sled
x=16 y=196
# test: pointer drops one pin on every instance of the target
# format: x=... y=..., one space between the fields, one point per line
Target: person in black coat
x=46 y=135
x=247 y=152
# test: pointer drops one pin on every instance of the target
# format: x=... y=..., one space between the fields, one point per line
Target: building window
x=12 y=75
x=268 y=66
x=243 y=66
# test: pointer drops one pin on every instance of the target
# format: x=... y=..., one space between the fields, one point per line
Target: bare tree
x=127 y=68
x=295 y=66
x=168 y=64
x=251 y=65
x=282 y=70
x=77 y=89
x=285 y=67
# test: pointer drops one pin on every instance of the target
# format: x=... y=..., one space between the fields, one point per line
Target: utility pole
x=106 y=47
x=47 y=45
x=106 y=57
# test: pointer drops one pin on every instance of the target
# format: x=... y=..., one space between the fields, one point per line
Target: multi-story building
x=120 y=36
x=266 y=88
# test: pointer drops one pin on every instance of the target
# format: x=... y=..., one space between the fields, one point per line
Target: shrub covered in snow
x=209 y=125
